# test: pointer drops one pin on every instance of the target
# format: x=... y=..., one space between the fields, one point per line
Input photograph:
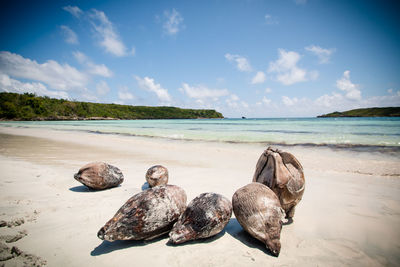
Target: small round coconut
x=157 y=175
x=99 y=175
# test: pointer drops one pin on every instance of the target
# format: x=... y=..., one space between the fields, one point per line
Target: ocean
x=333 y=132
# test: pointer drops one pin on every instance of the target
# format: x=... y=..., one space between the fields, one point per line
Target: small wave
x=338 y=146
x=281 y=131
x=376 y=134
x=173 y=136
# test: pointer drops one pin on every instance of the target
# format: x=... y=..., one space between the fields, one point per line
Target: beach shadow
x=199 y=241
x=289 y=221
x=81 y=189
x=235 y=230
x=85 y=189
x=145 y=186
x=107 y=247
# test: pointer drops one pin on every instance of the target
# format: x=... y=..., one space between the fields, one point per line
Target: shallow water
x=336 y=132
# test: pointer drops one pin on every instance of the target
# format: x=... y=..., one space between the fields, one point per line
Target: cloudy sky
x=276 y=58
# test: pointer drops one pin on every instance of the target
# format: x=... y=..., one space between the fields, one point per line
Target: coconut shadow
x=85 y=189
x=107 y=247
x=81 y=189
x=235 y=230
x=145 y=186
x=198 y=241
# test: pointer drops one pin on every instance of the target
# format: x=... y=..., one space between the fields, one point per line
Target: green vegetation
x=31 y=107
x=366 y=112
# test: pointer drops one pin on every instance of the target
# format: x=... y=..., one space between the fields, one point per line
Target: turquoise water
x=292 y=131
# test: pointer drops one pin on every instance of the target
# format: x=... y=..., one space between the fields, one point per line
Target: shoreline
x=393 y=149
x=349 y=214
x=312 y=157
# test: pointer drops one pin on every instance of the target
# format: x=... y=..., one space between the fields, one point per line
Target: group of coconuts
x=260 y=207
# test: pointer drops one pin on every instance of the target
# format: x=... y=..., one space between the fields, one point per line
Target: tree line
x=28 y=106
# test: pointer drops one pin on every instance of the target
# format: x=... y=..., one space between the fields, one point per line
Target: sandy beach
x=349 y=215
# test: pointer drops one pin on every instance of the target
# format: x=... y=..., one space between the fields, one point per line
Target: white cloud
x=258 y=78
x=201 y=92
x=102 y=88
x=149 y=84
x=100 y=70
x=268 y=90
x=57 y=76
x=351 y=98
x=8 y=84
x=390 y=91
x=124 y=94
x=329 y=100
x=323 y=54
x=296 y=106
x=81 y=57
x=287 y=61
x=286 y=69
x=92 y=68
x=233 y=101
x=289 y=101
x=244 y=104
x=173 y=21
x=312 y=75
x=266 y=101
x=234 y=97
x=70 y=35
x=109 y=38
x=270 y=20
x=352 y=90
x=241 y=62
x=383 y=101
x=338 y=102
x=73 y=10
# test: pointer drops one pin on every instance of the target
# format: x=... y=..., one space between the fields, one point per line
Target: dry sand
x=349 y=215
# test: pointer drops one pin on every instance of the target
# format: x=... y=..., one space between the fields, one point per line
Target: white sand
x=349 y=215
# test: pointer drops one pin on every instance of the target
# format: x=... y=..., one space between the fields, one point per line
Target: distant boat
x=244 y=118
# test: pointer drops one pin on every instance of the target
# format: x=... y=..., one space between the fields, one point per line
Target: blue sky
x=276 y=58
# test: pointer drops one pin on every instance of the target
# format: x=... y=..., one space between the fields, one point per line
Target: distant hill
x=366 y=112
x=31 y=107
